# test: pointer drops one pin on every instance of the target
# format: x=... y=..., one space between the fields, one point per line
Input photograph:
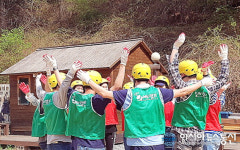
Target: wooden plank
x=230 y=121
x=237 y=128
x=21 y=128
x=19 y=140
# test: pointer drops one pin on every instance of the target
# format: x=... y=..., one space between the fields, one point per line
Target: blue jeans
x=155 y=147
x=43 y=145
x=169 y=139
x=59 y=146
x=125 y=144
x=212 y=140
x=87 y=148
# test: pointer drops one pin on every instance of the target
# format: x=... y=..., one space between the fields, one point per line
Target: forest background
x=27 y=25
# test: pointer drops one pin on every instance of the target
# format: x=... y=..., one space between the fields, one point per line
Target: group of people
x=82 y=114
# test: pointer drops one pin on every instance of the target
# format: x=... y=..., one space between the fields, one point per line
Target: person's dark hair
x=165 y=83
x=86 y=87
x=192 y=76
x=103 y=83
x=139 y=80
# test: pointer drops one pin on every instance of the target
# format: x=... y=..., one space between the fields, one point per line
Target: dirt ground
x=118 y=147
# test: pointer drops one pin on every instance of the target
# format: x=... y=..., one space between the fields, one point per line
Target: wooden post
x=155 y=67
x=6 y=130
x=5 y=127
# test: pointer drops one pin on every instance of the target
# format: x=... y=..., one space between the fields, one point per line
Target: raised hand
x=124 y=56
x=43 y=79
x=130 y=77
x=223 y=52
x=205 y=66
x=24 y=88
x=179 y=42
x=83 y=76
x=152 y=80
x=50 y=61
x=76 y=66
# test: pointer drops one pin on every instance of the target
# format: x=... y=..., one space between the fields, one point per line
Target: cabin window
x=21 y=96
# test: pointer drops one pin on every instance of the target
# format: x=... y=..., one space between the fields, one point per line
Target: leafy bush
x=12 y=48
x=13 y=41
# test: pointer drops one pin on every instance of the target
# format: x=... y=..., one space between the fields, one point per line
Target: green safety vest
x=145 y=115
x=83 y=121
x=193 y=111
x=38 y=124
x=55 y=118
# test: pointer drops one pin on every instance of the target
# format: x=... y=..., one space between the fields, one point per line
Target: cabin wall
x=20 y=115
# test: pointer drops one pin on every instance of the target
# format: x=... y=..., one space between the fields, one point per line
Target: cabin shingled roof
x=97 y=55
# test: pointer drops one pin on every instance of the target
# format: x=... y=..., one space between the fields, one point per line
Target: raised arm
x=51 y=61
x=223 y=77
x=48 y=73
x=29 y=96
x=179 y=42
x=39 y=90
x=174 y=71
x=224 y=88
x=98 y=89
x=44 y=80
x=121 y=73
x=61 y=97
x=191 y=88
x=174 y=74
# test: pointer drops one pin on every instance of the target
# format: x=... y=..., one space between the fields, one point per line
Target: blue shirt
x=121 y=99
x=120 y=96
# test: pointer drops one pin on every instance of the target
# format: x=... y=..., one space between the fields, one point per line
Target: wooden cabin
x=103 y=57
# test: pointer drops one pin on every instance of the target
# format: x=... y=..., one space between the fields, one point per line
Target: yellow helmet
x=76 y=82
x=188 y=67
x=95 y=76
x=105 y=80
x=128 y=85
x=141 y=71
x=52 y=80
x=199 y=74
x=162 y=78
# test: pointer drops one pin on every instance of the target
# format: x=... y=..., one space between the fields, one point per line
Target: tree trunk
x=3 y=14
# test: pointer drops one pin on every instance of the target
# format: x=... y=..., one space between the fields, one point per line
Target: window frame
x=18 y=90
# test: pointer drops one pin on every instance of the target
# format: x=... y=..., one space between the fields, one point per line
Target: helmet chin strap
x=183 y=75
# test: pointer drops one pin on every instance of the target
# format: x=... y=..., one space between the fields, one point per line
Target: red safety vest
x=111 y=114
x=122 y=120
x=168 y=111
x=212 y=118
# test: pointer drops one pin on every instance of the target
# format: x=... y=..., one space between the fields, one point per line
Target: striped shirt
x=179 y=83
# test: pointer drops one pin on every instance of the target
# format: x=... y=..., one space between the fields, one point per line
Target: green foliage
x=12 y=46
x=222 y=14
x=87 y=11
x=7 y=147
x=13 y=40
